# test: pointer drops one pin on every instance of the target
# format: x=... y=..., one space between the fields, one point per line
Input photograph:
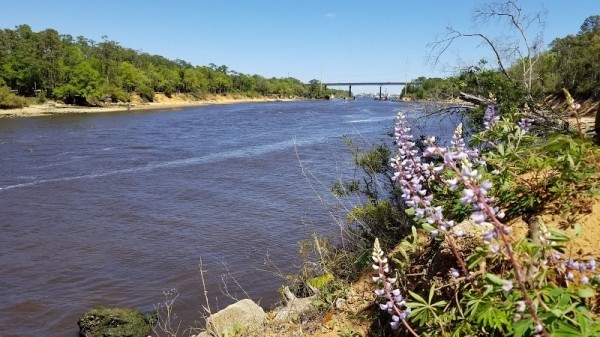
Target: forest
x=82 y=71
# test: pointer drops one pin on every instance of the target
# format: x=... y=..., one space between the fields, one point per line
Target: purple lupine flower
x=474 y=191
x=491 y=116
x=478 y=217
x=517 y=317
x=494 y=248
x=570 y=276
x=525 y=124
x=507 y=285
x=412 y=174
x=395 y=303
x=592 y=264
x=460 y=151
x=520 y=306
x=454 y=272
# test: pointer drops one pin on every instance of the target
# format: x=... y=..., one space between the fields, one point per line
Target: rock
x=472 y=234
x=470 y=237
x=244 y=315
x=115 y=322
x=294 y=308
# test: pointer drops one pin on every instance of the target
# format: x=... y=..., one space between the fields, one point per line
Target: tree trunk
x=597 y=126
x=475 y=99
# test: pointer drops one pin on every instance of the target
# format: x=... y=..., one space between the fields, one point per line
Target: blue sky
x=338 y=40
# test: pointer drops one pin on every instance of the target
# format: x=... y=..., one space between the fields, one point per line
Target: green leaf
x=439 y=304
x=321 y=281
x=494 y=279
x=417 y=297
x=431 y=292
x=570 y=159
x=501 y=149
x=586 y=292
x=557 y=235
x=521 y=327
x=318 y=303
x=428 y=227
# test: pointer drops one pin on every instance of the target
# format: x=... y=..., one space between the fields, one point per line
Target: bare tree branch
x=505 y=49
x=454 y=35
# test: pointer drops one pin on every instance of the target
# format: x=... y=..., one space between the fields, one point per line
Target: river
x=114 y=209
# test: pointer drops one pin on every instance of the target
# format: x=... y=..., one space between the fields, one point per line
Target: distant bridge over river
x=350 y=84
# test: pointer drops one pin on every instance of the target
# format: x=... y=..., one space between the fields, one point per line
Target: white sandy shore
x=52 y=109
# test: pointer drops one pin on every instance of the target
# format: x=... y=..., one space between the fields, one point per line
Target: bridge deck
x=365 y=83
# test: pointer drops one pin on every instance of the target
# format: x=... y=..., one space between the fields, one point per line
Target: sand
x=161 y=103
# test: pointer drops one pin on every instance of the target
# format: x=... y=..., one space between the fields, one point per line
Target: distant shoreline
x=55 y=109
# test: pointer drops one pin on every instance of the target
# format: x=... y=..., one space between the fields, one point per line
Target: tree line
x=571 y=62
x=82 y=71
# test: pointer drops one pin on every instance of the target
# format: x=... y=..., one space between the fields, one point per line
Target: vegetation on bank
x=50 y=65
x=453 y=237
x=456 y=236
x=571 y=62
x=9 y=100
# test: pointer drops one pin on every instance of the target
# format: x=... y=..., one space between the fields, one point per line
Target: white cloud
x=330 y=15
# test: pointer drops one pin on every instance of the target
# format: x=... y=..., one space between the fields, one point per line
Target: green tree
x=130 y=77
x=83 y=85
x=590 y=25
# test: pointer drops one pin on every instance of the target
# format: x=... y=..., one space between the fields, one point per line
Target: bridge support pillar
x=349 y=90
x=380 y=92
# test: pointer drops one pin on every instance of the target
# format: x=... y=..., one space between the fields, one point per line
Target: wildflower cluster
x=465 y=167
x=525 y=124
x=395 y=303
x=569 y=268
x=475 y=192
x=468 y=177
x=491 y=116
x=413 y=173
x=536 y=268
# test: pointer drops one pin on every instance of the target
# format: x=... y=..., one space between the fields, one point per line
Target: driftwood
x=475 y=99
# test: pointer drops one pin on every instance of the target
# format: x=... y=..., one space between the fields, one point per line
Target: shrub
x=146 y=93
x=504 y=286
x=114 y=94
x=41 y=98
x=8 y=100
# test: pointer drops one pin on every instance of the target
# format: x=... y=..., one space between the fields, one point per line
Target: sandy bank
x=161 y=103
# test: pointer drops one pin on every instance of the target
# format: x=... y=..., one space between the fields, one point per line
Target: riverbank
x=161 y=101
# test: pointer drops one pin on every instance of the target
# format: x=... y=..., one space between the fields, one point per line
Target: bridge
x=350 y=84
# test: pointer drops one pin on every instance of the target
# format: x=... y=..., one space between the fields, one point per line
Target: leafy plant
x=426 y=312
x=504 y=286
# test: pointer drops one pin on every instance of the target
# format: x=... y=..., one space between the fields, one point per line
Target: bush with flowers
x=476 y=277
